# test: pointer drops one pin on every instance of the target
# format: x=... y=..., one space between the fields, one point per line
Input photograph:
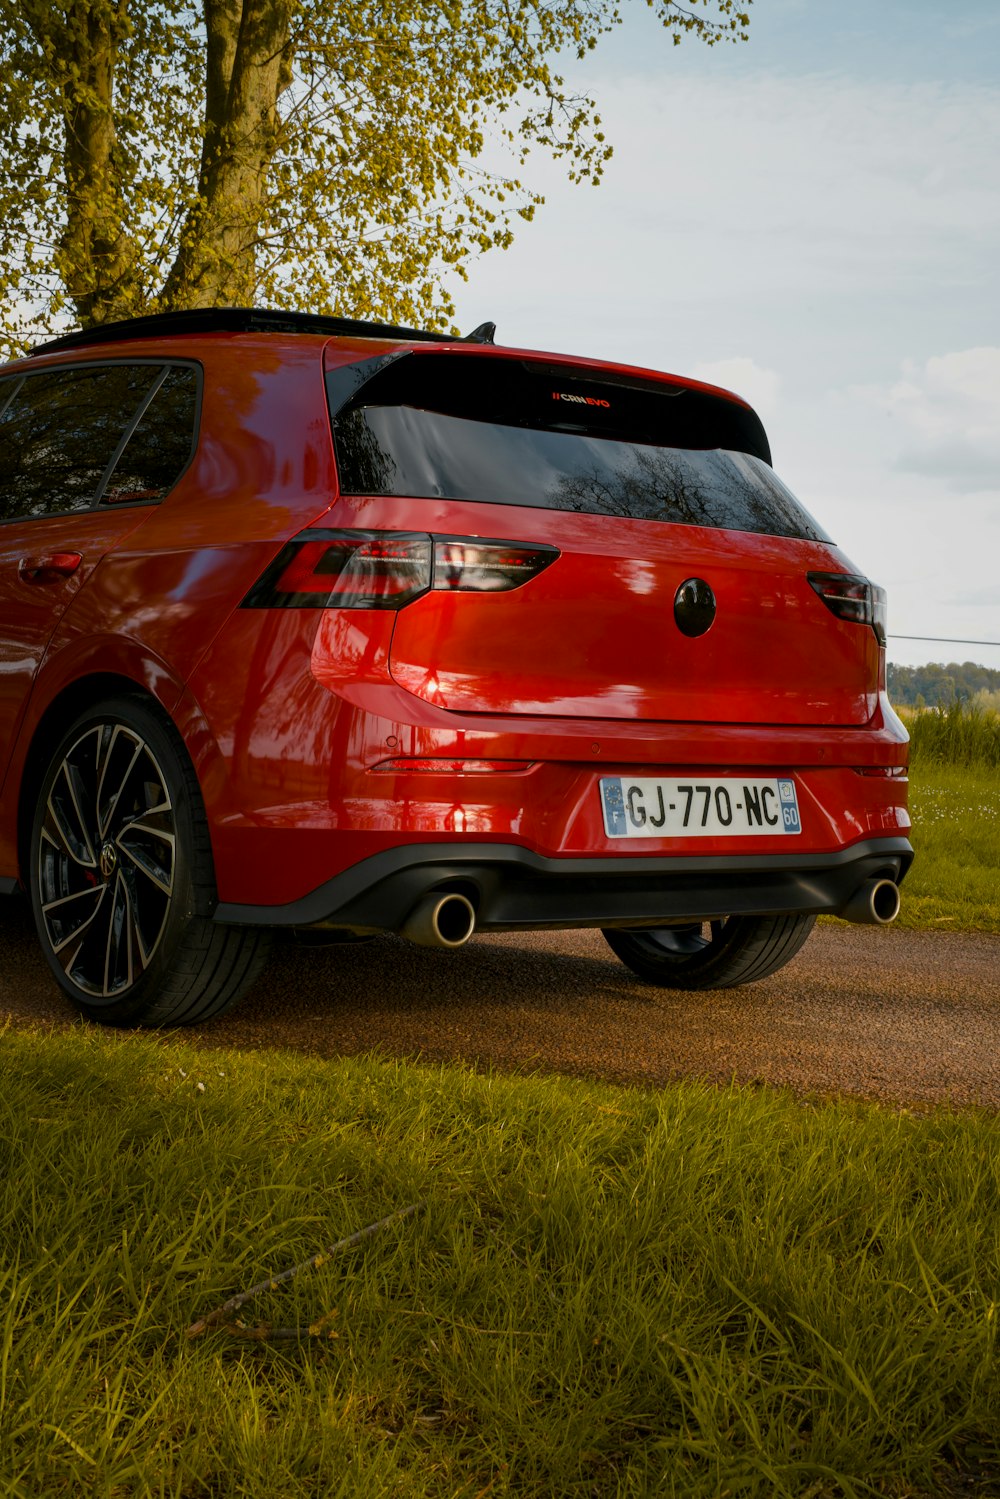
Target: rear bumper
x=514 y=889
x=330 y=775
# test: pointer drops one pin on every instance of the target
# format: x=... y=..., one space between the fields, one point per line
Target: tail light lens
x=487 y=567
x=849 y=596
x=345 y=569
x=387 y=569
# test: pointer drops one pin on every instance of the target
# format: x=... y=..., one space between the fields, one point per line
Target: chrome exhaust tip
x=875 y=903
x=443 y=920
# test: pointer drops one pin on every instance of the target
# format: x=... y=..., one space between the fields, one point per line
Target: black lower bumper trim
x=514 y=889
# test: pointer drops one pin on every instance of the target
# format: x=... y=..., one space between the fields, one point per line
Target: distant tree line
x=936 y=686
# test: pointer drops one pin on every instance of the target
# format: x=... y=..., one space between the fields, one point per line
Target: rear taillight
x=352 y=569
x=849 y=596
x=387 y=569
x=487 y=567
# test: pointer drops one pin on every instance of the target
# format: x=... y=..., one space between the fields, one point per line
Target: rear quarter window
x=65 y=434
x=162 y=443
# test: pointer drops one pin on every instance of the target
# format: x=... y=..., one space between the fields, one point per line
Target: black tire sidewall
x=721 y=964
x=692 y=970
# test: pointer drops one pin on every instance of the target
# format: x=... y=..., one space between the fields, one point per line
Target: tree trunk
x=248 y=68
x=98 y=256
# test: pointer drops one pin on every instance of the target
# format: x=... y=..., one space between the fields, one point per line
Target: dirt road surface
x=906 y=1017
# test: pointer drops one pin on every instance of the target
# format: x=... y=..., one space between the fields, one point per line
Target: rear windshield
x=507 y=432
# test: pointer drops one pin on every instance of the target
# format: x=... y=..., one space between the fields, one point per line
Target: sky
x=811 y=219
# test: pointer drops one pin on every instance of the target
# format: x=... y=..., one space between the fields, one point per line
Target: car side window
x=160 y=447
x=60 y=433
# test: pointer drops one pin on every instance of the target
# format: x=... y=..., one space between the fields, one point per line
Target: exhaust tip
x=444 y=920
x=884 y=900
x=875 y=903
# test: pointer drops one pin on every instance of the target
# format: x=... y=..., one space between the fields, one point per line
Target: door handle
x=50 y=568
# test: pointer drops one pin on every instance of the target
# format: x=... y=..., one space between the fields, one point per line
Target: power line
x=944 y=640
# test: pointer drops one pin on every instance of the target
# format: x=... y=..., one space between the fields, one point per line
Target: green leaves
x=336 y=156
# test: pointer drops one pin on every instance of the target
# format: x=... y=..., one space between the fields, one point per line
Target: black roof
x=249 y=320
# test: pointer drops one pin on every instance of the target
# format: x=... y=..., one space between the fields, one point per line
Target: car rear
x=594 y=664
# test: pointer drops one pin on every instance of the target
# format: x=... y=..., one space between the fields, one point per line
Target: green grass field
x=609 y=1292
x=966 y=734
x=954 y=884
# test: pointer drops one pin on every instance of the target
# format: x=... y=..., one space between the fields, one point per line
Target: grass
x=962 y=735
x=954 y=884
x=696 y=1292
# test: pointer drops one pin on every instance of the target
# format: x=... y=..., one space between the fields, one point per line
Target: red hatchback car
x=347 y=628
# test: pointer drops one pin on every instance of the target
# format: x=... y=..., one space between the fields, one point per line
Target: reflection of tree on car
x=101 y=433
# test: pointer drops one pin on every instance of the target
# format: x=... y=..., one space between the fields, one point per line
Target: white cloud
x=817 y=223
x=947 y=409
x=984 y=597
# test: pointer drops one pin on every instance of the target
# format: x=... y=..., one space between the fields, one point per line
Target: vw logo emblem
x=108 y=860
x=694 y=607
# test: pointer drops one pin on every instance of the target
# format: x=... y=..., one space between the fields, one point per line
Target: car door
x=64 y=432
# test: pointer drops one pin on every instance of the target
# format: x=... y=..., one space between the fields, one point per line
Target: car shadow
x=544 y=1001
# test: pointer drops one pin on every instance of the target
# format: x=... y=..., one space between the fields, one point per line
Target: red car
x=347 y=628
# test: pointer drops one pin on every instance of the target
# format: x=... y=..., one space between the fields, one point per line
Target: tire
x=712 y=955
x=121 y=879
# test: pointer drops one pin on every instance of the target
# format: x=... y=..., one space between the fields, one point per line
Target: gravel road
x=906 y=1017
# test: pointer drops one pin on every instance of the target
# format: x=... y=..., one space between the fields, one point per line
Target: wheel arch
x=77 y=672
x=176 y=709
x=56 y=718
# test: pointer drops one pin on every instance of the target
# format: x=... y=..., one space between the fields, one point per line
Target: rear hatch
x=678 y=589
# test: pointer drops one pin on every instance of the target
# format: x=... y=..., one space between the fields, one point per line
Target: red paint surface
x=286 y=714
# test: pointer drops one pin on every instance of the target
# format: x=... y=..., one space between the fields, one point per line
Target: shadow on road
x=902 y=1016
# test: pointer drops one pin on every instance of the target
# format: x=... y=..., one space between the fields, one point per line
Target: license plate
x=706 y=807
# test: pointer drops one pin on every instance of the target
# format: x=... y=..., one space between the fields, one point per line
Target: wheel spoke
x=64 y=900
x=68 y=959
x=79 y=932
x=73 y=780
x=146 y=865
x=140 y=953
x=148 y=827
x=58 y=828
x=147 y=904
x=119 y=936
x=107 y=800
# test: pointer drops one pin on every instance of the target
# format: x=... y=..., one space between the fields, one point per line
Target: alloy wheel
x=106 y=860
